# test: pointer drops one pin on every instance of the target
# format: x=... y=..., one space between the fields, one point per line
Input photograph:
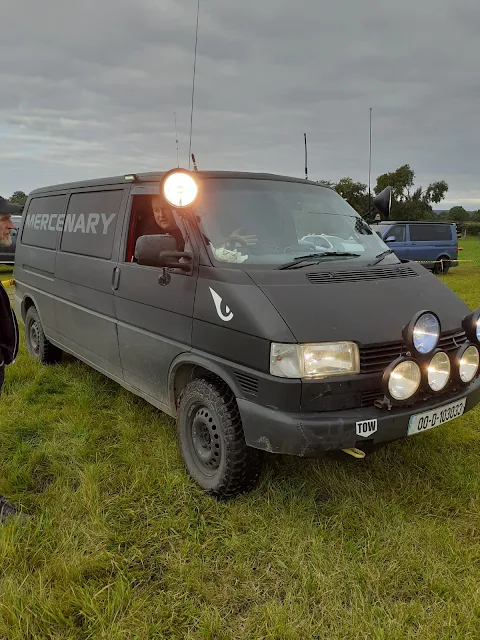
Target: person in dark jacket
x=8 y=322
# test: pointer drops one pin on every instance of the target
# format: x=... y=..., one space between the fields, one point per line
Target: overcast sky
x=89 y=88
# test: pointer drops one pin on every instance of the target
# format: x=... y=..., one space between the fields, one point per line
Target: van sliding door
x=84 y=272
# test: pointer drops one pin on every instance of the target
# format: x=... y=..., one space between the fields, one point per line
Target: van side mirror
x=391 y=239
x=161 y=251
x=383 y=202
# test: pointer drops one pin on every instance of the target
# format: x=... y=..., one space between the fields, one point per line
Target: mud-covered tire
x=38 y=345
x=212 y=440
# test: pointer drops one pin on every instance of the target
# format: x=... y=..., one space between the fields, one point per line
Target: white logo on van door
x=366 y=428
x=218 y=306
x=72 y=222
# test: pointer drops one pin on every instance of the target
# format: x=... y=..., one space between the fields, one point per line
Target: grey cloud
x=90 y=88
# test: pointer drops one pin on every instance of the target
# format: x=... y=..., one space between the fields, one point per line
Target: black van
x=202 y=293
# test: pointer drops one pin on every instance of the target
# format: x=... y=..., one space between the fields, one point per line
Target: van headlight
x=402 y=379
x=468 y=362
x=438 y=371
x=471 y=325
x=314 y=360
x=422 y=333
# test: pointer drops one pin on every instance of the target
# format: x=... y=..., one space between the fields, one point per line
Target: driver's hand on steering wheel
x=248 y=239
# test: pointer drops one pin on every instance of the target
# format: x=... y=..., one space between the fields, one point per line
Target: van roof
x=414 y=222
x=157 y=176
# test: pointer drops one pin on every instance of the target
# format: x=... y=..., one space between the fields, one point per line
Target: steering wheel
x=307 y=246
x=232 y=243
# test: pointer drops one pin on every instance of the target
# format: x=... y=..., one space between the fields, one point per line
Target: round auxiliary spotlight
x=402 y=379
x=422 y=333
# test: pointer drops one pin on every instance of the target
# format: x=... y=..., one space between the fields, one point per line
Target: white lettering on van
x=92 y=222
x=70 y=222
x=80 y=226
x=52 y=219
x=107 y=221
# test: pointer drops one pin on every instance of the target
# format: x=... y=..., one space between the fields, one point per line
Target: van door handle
x=115 y=278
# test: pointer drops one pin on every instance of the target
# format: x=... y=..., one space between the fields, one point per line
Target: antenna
x=306 y=157
x=176 y=136
x=370 y=163
x=193 y=84
x=194 y=163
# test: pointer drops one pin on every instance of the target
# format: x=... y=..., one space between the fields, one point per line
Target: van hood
x=366 y=305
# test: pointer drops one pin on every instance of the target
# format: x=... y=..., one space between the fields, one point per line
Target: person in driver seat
x=166 y=223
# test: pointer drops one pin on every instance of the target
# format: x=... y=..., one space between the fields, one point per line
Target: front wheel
x=212 y=440
x=37 y=343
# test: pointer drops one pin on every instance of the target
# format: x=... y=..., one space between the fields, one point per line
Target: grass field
x=121 y=544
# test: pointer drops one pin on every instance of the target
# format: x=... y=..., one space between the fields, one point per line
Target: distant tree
x=19 y=197
x=355 y=193
x=458 y=214
x=411 y=203
x=475 y=216
x=327 y=183
x=401 y=181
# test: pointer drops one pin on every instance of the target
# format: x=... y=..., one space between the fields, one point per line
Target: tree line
x=409 y=202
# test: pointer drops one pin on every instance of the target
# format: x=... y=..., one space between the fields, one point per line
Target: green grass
x=6 y=271
x=121 y=544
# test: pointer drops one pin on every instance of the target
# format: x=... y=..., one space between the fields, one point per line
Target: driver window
x=151 y=215
x=398 y=232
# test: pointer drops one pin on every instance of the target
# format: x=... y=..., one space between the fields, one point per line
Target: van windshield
x=270 y=222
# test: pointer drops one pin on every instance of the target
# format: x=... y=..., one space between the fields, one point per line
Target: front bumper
x=311 y=434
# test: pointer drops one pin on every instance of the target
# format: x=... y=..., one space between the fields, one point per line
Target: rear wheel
x=37 y=343
x=212 y=440
x=442 y=266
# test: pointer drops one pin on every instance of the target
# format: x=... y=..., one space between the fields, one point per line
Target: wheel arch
x=187 y=367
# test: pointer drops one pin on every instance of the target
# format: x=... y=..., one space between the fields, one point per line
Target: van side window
x=90 y=223
x=151 y=216
x=43 y=221
x=398 y=232
x=430 y=232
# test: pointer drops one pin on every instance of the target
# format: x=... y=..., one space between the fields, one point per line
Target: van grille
x=369 y=397
x=248 y=384
x=359 y=275
x=376 y=358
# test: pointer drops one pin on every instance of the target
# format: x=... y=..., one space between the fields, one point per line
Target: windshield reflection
x=271 y=222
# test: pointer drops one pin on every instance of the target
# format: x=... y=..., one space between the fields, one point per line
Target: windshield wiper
x=315 y=258
x=381 y=256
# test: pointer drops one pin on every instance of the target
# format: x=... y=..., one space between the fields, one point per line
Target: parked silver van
x=210 y=295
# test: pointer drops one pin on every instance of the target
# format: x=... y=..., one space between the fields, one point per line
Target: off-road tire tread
x=48 y=353
x=243 y=463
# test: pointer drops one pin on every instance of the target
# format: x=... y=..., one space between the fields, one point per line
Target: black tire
x=212 y=440
x=37 y=343
x=442 y=267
